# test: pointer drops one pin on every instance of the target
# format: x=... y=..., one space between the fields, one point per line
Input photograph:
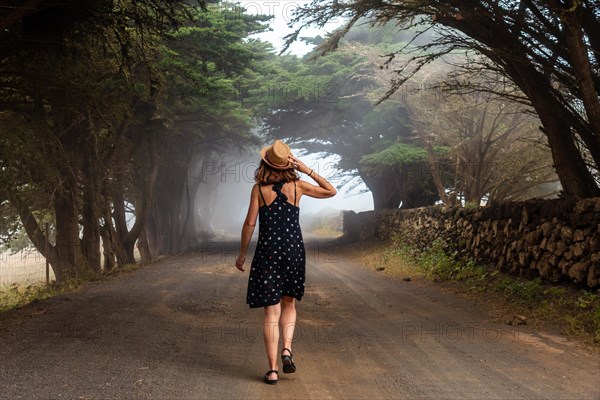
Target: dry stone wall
x=557 y=240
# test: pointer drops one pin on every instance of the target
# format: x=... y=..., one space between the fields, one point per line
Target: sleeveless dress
x=278 y=266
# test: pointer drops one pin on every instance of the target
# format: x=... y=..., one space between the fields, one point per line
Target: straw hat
x=276 y=155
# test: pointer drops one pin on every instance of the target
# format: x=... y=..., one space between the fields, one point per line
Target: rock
x=578 y=236
x=566 y=233
x=551 y=246
x=577 y=249
x=568 y=254
x=521 y=318
x=563 y=265
x=525 y=216
x=546 y=228
x=507 y=227
x=560 y=248
x=532 y=237
x=586 y=205
x=594 y=242
x=536 y=252
x=579 y=271
x=517 y=320
x=593 y=278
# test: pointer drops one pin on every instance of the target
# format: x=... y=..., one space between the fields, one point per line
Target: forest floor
x=180 y=329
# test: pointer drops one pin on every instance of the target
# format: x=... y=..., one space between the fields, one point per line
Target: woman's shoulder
x=261 y=187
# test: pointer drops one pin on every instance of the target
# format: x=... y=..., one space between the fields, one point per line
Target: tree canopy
x=549 y=50
x=104 y=104
x=389 y=144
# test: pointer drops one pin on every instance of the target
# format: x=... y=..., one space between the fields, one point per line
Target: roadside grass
x=574 y=311
x=20 y=294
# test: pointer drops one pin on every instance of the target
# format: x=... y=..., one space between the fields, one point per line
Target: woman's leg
x=271 y=336
x=288 y=321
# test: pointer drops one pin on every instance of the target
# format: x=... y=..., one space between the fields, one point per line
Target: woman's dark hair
x=265 y=175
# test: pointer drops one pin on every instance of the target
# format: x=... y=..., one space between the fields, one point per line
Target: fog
x=223 y=193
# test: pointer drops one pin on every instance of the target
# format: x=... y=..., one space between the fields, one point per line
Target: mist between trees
x=119 y=120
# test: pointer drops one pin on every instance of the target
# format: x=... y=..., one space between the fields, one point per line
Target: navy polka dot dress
x=279 y=260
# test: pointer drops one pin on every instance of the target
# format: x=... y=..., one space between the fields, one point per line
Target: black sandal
x=271 y=381
x=288 y=362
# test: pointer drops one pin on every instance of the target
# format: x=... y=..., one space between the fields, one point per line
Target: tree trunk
x=570 y=167
x=166 y=211
x=384 y=189
x=144 y=248
x=447 y=199
x=120 y=247
x=575 y=177
x=418 y=187
x=91 y=234
x=69 y=260
x=108 y=252
x=151 y=234
x=34 y=232
x=578 y=54
x=91 y=217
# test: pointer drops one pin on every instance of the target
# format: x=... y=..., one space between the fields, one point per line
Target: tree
x=408 y=177
x=112 y=102
x=332 y=110
x=209 y=67
x=549 y=50
x=495 y=149
x=67 y=105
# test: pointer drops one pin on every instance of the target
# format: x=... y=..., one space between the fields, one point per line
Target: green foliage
x=396 y=154
x=399 y=156
x=17 y=295
x=210 y=68
x=440 y=263
x=524 y=291
x=18 y=239
x=9 y=224
x=17 y=242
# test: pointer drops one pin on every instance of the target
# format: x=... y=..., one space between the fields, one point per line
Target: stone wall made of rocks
x=557 y=240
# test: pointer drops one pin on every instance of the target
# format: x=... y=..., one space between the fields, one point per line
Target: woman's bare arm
x=324 y=189
x=248 y=228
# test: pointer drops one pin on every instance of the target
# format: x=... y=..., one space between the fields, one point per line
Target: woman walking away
x=276 y=278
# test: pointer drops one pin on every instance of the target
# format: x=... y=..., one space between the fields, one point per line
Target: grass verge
x=19 y=294
x=574 y=311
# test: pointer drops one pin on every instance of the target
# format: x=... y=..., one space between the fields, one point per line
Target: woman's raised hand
x=299 y=165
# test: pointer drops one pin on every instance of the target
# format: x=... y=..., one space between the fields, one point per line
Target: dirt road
x=180 y=329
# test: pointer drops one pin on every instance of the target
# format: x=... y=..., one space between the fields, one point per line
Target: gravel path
x=180 y=329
